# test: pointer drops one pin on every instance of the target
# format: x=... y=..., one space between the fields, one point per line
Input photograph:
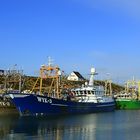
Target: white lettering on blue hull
x=44 y=100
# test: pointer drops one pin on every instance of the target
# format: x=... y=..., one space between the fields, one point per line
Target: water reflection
x=62 y=127
x=108 y=126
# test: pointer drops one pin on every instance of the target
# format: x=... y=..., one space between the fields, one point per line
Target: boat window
x=96 y=93
x=85 y=92
x=81 y=92
x=76 y=92
x=92 y=92
x=89 y=92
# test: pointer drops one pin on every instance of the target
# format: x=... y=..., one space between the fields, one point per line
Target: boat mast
x=108 y=87
x=131 y=85
x=91 y=81
x=13 y=76
x=54 y=74
x=45 y=71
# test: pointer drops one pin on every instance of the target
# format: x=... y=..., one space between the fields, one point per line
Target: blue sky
x=77 y=34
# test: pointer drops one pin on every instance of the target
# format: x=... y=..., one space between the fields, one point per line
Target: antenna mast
x=91 y=81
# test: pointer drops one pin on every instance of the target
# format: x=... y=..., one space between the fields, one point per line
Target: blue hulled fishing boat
x=86 y=99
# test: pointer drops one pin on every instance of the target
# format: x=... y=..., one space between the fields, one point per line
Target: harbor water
x=117 y=125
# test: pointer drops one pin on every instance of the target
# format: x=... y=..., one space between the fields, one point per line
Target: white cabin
x=91 y=93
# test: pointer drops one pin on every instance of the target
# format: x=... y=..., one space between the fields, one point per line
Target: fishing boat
x=129 y=99
x=6 y=105
x=85 y=99
x=11 y=78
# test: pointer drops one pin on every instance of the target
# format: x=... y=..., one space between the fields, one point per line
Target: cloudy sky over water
x=77 y=34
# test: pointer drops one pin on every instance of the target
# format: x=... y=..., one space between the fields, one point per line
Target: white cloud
x=128 y=7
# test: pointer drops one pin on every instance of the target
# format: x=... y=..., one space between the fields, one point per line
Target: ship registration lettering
x=44 y=100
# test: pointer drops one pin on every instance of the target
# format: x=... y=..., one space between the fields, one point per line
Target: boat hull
x=30 y=104
x=6 y=106
x=127 y=104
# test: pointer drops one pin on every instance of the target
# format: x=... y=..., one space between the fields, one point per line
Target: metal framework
x=133 y=86
x=108 y=87
x=52 y=73
x=13 y=76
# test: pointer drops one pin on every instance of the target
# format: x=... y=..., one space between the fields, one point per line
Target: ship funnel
x=91 y=81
